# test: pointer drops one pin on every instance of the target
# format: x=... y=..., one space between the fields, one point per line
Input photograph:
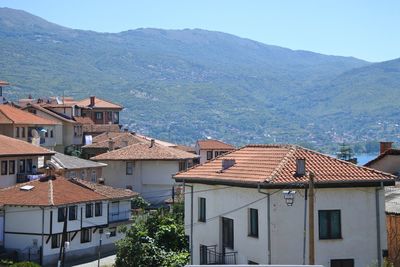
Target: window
x=4 y=168
x=253 y=222
x=342 y=263
x=99 y=115
x=252 y=263
x=72 y=174
x=46 y=134
x=83 y=174
x=89 y=210
x=86 y=235
x=11 y=167
x=116 y=117
x=21 y=167
x=55 y=241
x=182 y=165
x=203 y=255
x=227 y=232
x=329 y=224
x=23 y=132
x=113 y=231
x=72 y=213
x=98 y=209
x=129 y=168
x=202 y=209
x=17 y=132
x=216 y=153
x=29 y=165
x=61 y=214
x=209 y=155
x=94 y=176
x=51 y=133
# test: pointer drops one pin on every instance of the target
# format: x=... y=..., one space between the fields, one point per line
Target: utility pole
x=311 y=253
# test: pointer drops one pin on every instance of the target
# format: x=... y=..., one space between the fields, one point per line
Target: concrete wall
x=152 y=179
x=358 y=224
x=389 y=163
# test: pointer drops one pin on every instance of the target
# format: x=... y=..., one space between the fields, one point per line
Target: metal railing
x=118 y=216
x=26 y=177
x=212 y=257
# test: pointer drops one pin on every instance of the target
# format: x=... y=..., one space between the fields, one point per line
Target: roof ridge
x=283 y=162
x=51 y=193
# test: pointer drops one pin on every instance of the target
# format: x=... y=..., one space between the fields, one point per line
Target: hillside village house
x=71 y=130
x=26 y=126
x=145 y=168
x=388 y=159
x=74 y=167
x=209 y=149
x=91 y=211
x=20 y=161
x=249 y=207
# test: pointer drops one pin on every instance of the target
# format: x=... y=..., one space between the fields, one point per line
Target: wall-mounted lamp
x=288 y=195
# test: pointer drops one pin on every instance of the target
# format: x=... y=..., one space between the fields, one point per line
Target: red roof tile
x=214 y=145
x=143 y=151
x=12 y=115
x=11 y=146
x=276 y=165
x=57 y=191
x=99 y=103
x=120 y=139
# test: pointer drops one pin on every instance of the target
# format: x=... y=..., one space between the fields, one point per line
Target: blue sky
x=361 y=28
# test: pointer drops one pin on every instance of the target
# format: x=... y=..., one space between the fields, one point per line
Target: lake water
x=364 y=158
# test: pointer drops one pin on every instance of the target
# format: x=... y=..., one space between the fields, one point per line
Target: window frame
x=89 y=210
x=98 y=115
x=209 y=154
x=253 y=232
x=203 y=254
x=73 y=213
x=228 y=241
x=100 y=213
x=4 y=167
x=23 y=169
x=22 y=132
x=84 y=238
x=202 y=208
x=11 y=170
x=29 y=165
x=57 y=242
x=61 y=214
x=329 y=226
x=17 y=135
x=129 y=168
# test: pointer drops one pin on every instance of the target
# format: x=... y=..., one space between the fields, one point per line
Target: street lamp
x=108 y=234
x=288 y=195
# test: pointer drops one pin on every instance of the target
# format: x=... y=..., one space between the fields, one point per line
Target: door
x=227 y=234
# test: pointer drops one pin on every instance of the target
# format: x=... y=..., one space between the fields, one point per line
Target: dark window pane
x=11 y=167
x=72 y=213
x=342 y=263
x=202 y=209
x=4 y=165
x=329 y=224
x=61 y=214
x=89 y=210
x=253 y=229
x=227 y=233
x=98 y=209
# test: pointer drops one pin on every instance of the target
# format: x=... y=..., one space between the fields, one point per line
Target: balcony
x=26 y=177
x=210 y=256
x=119 y=217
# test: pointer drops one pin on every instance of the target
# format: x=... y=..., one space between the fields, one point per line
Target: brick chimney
x=300 y=167
x=92 y=101
x=385 y=146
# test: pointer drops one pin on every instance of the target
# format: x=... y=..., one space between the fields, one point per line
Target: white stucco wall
x=358 y=224
x=152 y=179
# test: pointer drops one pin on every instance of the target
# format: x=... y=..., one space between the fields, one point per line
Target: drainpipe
x=268 y=223
x=305 y=226
x=378 y=224
x=42 y=245
x=191 y=221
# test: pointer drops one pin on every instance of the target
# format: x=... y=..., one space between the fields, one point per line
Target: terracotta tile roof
x=273 y=165
x=11 y=146
x=160 y=142
x=58 y=191
x=99 y=103
x=143 y=151
x=84 y=120
x=50 y=112
x=211 y=144
x=392 y=151
x=120 y=139
x=107 y=191
x=100 y=128
x=12 y=115
x=189 y=149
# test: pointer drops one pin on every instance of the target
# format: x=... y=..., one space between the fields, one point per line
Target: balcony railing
x=26 y=177
x=119 y=216
x=210 y=256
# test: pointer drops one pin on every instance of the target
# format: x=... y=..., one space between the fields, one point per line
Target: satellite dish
x=35 y=133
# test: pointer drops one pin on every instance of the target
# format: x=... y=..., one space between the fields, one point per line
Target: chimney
x=151 y=143
x=385 y=146
x=110 y=145
x=227 y=163
x=92 y=101
x=300 y=167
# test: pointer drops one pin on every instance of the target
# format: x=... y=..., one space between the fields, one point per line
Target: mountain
x=187 y=84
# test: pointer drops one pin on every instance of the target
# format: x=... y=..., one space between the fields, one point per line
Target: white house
x=146 y=168
x=33 y=216
x=208 y=149
x=249 y=207
x=20 y=161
